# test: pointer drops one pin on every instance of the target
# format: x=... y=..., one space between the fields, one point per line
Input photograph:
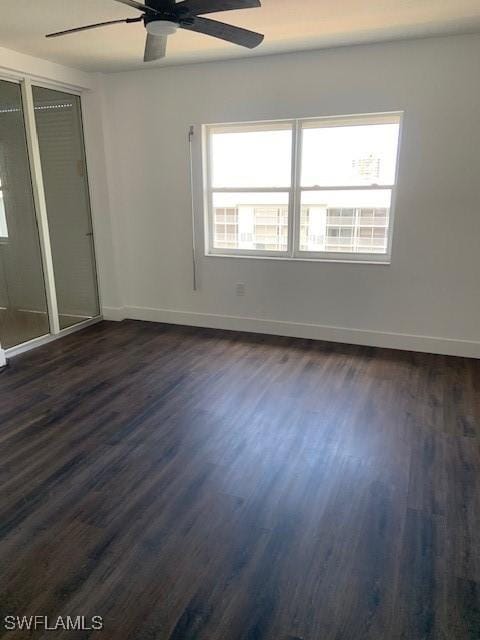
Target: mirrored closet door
x=58 y=119
x=48 y=280
x=23 y=305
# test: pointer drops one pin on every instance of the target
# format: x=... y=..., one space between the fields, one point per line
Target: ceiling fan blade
x=138 y=5
x=155 y=48
x=91 y=26
x=200 y=7
x=228 y=32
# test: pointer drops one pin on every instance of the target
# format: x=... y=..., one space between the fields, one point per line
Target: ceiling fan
x=162 y=18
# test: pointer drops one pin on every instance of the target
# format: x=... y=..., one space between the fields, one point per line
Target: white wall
x=431 y=289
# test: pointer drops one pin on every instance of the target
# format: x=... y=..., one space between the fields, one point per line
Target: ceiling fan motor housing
x=168 y=10
x=161 y=27
x=167 y=18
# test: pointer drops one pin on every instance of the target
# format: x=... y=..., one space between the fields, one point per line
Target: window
x=314 y=188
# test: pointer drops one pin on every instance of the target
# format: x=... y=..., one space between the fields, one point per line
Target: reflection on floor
x=69 y=321
x=17 y=326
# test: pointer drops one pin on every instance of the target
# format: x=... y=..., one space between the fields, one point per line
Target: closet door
x=58 y=118
x=23 y=305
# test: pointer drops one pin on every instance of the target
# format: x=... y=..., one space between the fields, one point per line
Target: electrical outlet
x=240 y=289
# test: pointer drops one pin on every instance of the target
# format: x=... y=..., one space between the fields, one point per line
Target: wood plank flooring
x=191 y=484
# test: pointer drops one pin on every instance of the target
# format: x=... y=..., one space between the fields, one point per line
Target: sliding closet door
x=23 y=306
x=60 y=135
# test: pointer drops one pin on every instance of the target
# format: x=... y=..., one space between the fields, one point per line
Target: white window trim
x=295 y=190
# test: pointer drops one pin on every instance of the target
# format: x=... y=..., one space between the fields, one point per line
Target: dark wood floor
x=190 y=484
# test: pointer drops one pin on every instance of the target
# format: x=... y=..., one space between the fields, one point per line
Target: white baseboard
x=3 y=360
x=115 y=314
x=425 y=344
x=406 y=342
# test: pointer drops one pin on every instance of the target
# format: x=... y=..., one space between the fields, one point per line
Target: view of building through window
x=251 y=221
x=347 y=230
x=347 y=221
x=322 y=229
x=340 y=202
x=252 y=227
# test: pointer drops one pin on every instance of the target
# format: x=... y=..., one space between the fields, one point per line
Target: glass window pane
x=250 y=221
x=258 y=158
x=345 y=221
x=357 y=155
x=60 y=136
x=23 y=307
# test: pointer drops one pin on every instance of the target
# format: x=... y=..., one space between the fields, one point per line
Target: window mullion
x=291 y=200
x=295 y=191
x=250 y=189
x=338 y=187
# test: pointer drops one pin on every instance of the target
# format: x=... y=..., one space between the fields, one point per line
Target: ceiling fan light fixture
x=161 y=27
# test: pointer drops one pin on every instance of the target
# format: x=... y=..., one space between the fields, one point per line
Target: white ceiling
x=289 y=25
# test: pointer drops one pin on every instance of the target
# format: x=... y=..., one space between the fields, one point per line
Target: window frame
x=295 y=189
